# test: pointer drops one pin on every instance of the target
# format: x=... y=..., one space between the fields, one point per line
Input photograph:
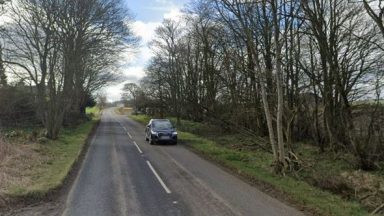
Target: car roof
x=159 y=119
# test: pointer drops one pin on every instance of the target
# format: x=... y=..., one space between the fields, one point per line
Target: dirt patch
x=53 y=202
x=4 y=151
x=16 y=163
x=368 y=188
x=124 y=110
x=15 y=160
x=362 y=186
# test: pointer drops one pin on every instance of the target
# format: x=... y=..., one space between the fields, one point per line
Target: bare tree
x=3 y=76
x=155 y=84
x=33 y=47
x=376 y=13
x=95 y=33
x=131 y=90
x=256 y=65
x=167 y=45
x=66 y=49
x=101 y=100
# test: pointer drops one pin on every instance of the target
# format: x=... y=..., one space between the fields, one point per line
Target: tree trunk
x=279 y=86
x=268 y=117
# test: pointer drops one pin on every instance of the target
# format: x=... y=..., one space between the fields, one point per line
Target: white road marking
x=121 y=125
x=130 y=136
x=158 y=178
x=126 y=130
x=138 y=148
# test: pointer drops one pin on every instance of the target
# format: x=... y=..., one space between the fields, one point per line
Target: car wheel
x=151 y=141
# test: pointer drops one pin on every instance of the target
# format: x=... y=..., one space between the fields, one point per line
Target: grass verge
x=35 y=169
x=255 y=167
x=93 y=112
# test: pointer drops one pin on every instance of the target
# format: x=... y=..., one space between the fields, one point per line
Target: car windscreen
x=162 y=125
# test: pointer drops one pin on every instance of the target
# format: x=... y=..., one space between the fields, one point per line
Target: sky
x=148 y=15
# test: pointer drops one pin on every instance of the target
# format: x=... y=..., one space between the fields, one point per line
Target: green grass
x=256 y=165
x=94 y=112
x=367 y=102
x=59 y=156
x=143 y=119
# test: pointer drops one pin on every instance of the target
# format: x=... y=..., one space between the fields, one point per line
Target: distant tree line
x=288 y=70
x=63 y=50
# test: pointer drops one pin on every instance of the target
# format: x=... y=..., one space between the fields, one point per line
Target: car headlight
x=174 y=133
x=154 y=133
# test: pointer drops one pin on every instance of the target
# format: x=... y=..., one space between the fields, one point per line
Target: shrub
x=3 y=148
x=17 y=106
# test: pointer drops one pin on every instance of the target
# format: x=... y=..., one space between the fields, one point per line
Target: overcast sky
x=148 y=15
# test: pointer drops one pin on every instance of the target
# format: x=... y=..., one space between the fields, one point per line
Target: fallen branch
x=378 y=209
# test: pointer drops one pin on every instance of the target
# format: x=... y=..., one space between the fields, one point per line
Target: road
x=124 y=175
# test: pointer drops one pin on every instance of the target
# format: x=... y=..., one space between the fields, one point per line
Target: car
x=160 y=131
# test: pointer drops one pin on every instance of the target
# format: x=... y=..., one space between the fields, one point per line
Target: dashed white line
x=123 y=127
x=138 y=148
x=121 y=124
x=158 y=178
x=126 y=130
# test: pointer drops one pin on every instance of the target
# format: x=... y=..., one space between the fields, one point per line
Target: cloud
x=5 y=18
x=134 y=65
x=162 y=5
x=137 y=71
x=146 y=30
x=113 y=92
x=164 y=1
x=173 y=14
x=130 y=74
x=132 y=78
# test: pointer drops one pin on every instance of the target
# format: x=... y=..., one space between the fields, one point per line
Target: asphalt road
x=124 y=175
